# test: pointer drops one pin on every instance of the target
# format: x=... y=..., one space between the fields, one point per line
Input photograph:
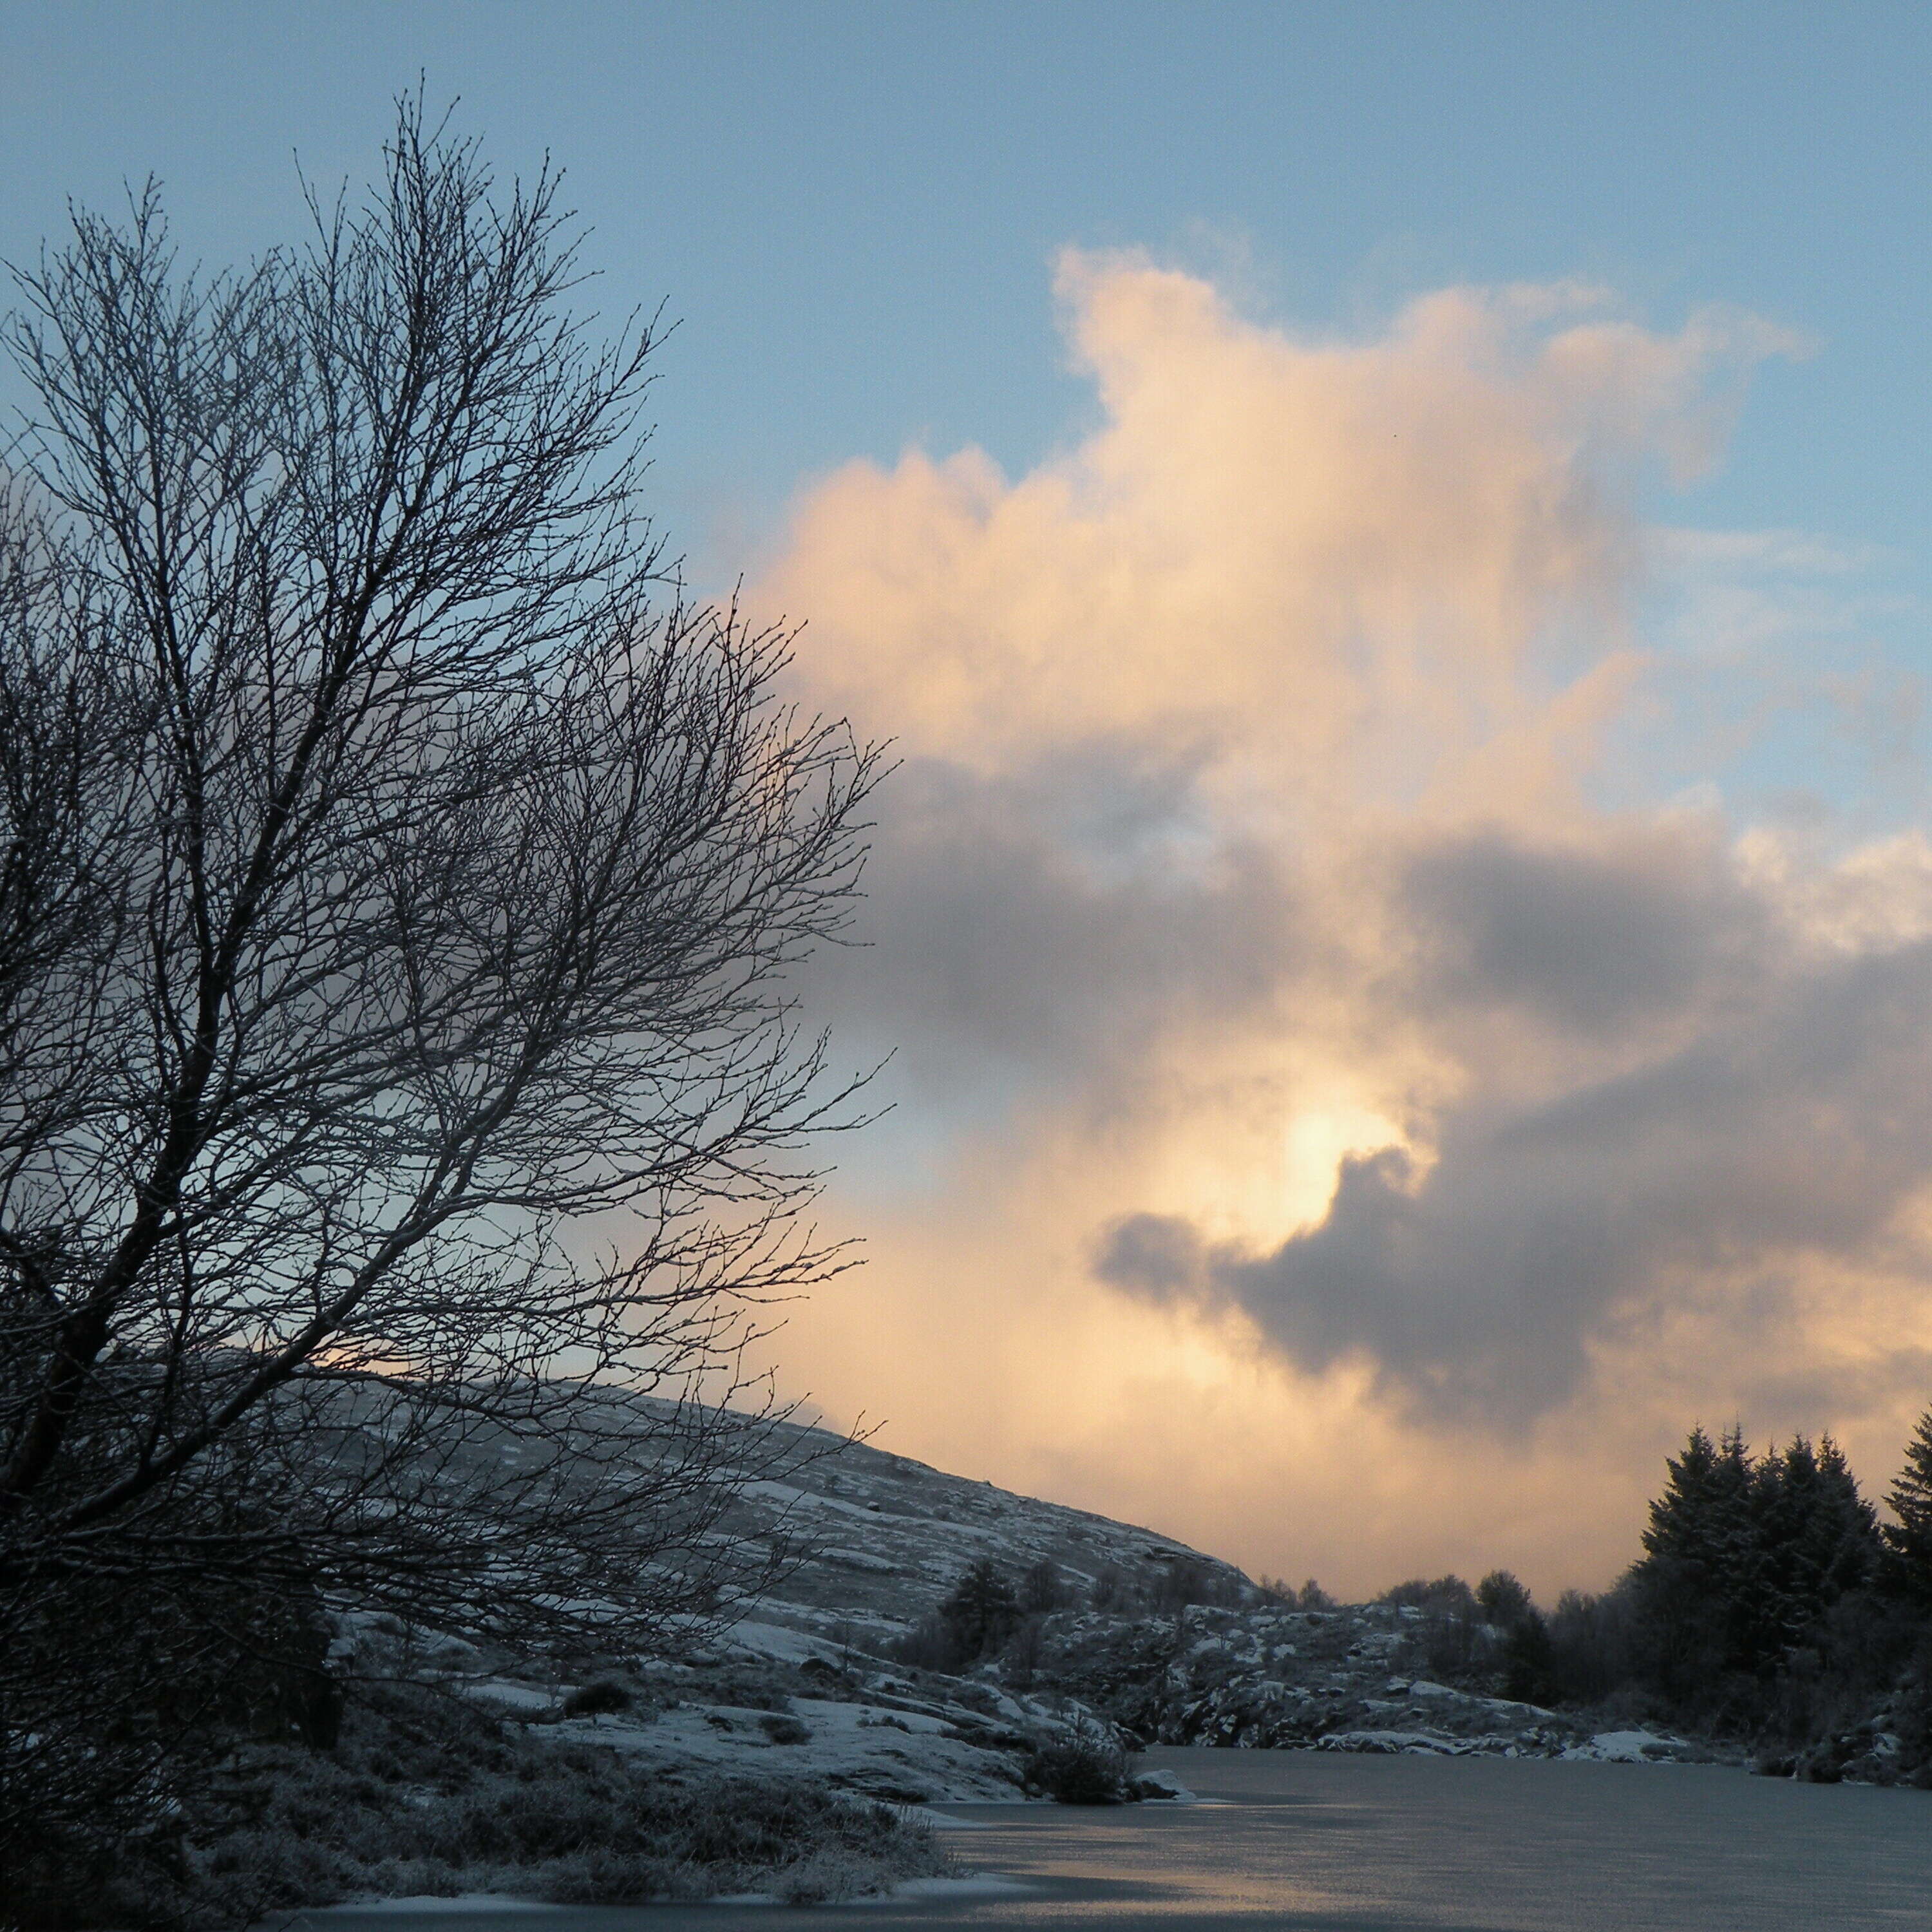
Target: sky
x=1390 y=544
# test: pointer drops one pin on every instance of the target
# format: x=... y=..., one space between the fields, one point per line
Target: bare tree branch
x=404 y=1119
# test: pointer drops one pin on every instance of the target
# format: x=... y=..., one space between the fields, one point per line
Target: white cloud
x=1246 y=827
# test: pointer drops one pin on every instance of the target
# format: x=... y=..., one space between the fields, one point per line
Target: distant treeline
x=1770 y=1605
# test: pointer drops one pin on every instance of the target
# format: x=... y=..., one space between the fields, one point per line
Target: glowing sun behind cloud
x=1320 y=1128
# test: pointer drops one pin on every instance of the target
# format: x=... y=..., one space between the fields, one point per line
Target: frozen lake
x=1320 y=1842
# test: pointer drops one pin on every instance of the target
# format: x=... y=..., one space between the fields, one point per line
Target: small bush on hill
x=1441 y=1596
x=1186 y=1581
x=600 y=1697
x=1025 y=1653
x=975 y=1621
x=931 y=1644
x=744 y=1686
x=1041 y=1591
x=983 y=1610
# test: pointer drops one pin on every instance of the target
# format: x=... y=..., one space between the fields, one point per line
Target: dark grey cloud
x=1475 y=1289
x=1590 y=941
x=1046 y=928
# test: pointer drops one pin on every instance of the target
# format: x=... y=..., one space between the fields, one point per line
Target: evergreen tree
x=1503 y=1600
x=1529 y=1659
x=1682 y=1519
x=1910 y=1539
x=1694 y=1588
x=982 y=1611
x=1844 y=1528
x=1745 y=1558
x=1785 y=1598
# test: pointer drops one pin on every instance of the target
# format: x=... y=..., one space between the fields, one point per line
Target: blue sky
x=853 y=208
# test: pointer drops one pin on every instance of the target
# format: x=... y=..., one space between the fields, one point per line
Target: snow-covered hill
x=1148 y=1641
x=883 y=1539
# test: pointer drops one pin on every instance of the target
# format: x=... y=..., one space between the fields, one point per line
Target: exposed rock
x=1159 y=1785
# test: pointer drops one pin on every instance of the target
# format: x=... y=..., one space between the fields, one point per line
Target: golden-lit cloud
x=1320 y=1127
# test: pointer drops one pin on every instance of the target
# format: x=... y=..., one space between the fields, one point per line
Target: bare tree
x=402 y=1112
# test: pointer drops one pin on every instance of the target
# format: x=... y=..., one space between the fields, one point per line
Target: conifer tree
x=1503 y=1599
x=1679 y=1518
x=1677 y=1587
x=1910 y=1539
x=982 y=1610
x=1845 y=1524
x=1736 y=1519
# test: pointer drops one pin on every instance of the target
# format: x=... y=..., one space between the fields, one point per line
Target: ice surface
x=430 y=1906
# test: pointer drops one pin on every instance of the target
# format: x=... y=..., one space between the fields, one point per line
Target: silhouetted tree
x=399 y=1095
x=1700 y=1564
x=1041 y=1591
x=1745 y=1559
x=1820 y=1540
x=1529 y=1659
x=982 y=1612
x=1502 y=1599
x=1910 y=1539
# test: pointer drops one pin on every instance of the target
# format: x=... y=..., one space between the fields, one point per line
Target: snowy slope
x=882 y=1539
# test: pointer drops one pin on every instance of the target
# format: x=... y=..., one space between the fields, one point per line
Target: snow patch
x=513 y=1695
x=1628 y=1747
x=973 y=1885
x=1417 y=1743
x=781 y=1643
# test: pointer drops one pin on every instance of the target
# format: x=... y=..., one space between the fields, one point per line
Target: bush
x=743 y=1686
x=982 y=1611
x=931 y=1644
x=1041 y=1591
x=1440 y=1596
x=1187 y=1581
x=1529 y=1661
x=1592 y=1646
x=112 y=1709
x=1087 y=1768
x=1450 y=1646
x=1021 y=1661
x=602 y=1696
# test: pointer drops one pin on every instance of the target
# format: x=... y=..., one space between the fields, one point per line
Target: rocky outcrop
x=809 y=1679
x=1267 y=1678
